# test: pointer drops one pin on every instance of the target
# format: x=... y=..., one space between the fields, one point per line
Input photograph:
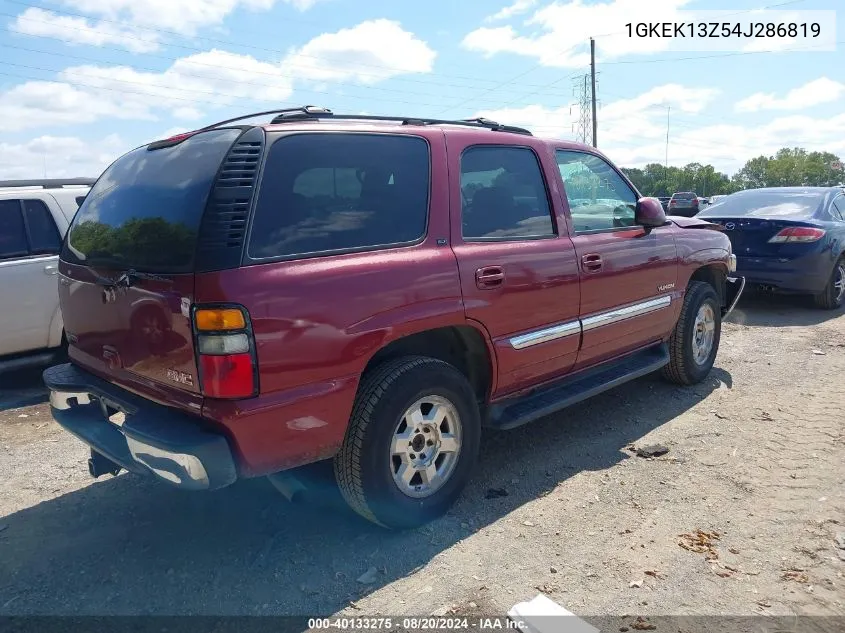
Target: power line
x=233 y=81
x=693 y=58
x=221 y=41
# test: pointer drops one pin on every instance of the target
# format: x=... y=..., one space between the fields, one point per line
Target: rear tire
x=695 y=340
x=412 y=442
x=833 y=295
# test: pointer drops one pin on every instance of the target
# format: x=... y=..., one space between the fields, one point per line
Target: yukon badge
x=181 y=377
x=665 y=287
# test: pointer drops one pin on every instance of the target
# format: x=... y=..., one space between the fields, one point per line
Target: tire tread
x=677 y=370
x=347 y=463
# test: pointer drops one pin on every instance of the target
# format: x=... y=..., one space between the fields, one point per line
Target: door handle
x=489 y=277
x=51 y=269
x=591 y=262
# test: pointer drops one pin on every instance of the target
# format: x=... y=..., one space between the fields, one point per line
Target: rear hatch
x=128 y=262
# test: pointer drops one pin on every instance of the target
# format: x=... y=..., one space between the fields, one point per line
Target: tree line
x=788 y=167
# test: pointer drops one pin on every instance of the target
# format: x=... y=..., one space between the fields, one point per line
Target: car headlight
x=732 y=263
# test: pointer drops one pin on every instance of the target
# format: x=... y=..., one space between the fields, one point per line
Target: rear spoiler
x=693 y=223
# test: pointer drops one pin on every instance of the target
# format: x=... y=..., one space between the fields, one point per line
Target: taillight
x=225 y=352
x=797 y=234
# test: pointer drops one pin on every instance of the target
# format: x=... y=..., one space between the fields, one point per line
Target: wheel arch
x=464 y=346
x=714 y=274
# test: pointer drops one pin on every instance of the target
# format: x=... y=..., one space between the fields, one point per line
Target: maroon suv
x=246 y=299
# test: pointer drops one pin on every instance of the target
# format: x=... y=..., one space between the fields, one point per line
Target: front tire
x=833 y=296
x=412 y=442
x=695 y=339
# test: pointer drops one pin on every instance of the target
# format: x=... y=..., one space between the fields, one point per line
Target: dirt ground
x=740 y=517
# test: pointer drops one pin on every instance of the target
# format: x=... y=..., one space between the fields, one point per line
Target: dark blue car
x=788 y=239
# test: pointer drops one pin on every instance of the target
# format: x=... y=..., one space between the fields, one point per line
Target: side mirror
x=649 y=213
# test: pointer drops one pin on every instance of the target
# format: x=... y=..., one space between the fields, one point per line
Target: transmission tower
x=583 y=92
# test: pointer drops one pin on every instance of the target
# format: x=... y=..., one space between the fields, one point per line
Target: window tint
x=331 y=192
x=43 y=234
x=12 y=232
x=145 y=210
x=598 y=197
x=838 y=207
x=504 y=195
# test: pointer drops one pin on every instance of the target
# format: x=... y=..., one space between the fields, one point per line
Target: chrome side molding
x=597 y=320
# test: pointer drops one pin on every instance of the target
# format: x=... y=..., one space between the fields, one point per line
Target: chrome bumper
x=147 y=438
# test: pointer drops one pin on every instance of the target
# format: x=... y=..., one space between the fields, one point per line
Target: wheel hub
x=703 y=335
x=425 y=446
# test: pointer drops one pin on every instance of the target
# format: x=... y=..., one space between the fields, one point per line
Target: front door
x=628 y=275
x=518 y=271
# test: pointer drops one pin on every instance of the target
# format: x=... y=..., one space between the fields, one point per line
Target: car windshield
x=766 y=203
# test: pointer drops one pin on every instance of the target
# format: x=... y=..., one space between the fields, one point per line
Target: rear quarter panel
x=318 y=321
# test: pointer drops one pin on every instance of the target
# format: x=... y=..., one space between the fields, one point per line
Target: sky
x=83 y=81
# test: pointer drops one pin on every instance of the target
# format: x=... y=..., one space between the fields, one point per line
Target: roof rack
x=314 y=113
x=48 y=183
x=310 y=112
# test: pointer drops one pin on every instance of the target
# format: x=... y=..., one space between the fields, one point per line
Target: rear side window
x=144 y=212
x=27 y=228
x=838 y=207
x=43 y=234
x=13 y=241
x=504 y=195
x=324 y=193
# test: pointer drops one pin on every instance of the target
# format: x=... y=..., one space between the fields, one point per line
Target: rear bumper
x=804 y=274
x=152 y=439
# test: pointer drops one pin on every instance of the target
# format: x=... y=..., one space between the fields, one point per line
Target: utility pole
x=666 y=164
x=593 y=88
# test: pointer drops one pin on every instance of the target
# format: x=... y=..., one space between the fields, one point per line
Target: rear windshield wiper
x=131 y=276
x=127 y=279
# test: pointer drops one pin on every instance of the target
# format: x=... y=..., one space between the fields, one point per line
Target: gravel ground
x=740 y=517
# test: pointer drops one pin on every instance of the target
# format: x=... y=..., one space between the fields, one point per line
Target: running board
x=577 y=387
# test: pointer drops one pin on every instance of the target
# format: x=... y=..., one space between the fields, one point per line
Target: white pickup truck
x=34 y=216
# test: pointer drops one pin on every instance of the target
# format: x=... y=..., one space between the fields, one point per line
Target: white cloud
x=370 y=52
x=137 y=25
x=87 y=93
x=79 y=30
x=818 y=91
x=366 y=53
x=552 y=30
x=518 y=7
x=60 y=156
x=36 y=103
x=632 y=132
x=301 y=5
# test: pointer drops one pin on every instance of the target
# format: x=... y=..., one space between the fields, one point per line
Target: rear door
x=29 y=247
x=517 y=265
x=127 y=266
x=628 y=276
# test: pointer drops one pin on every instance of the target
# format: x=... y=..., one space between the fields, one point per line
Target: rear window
x=765 y=204
x=144 y=212
x=684 y=196
x=324 y=193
